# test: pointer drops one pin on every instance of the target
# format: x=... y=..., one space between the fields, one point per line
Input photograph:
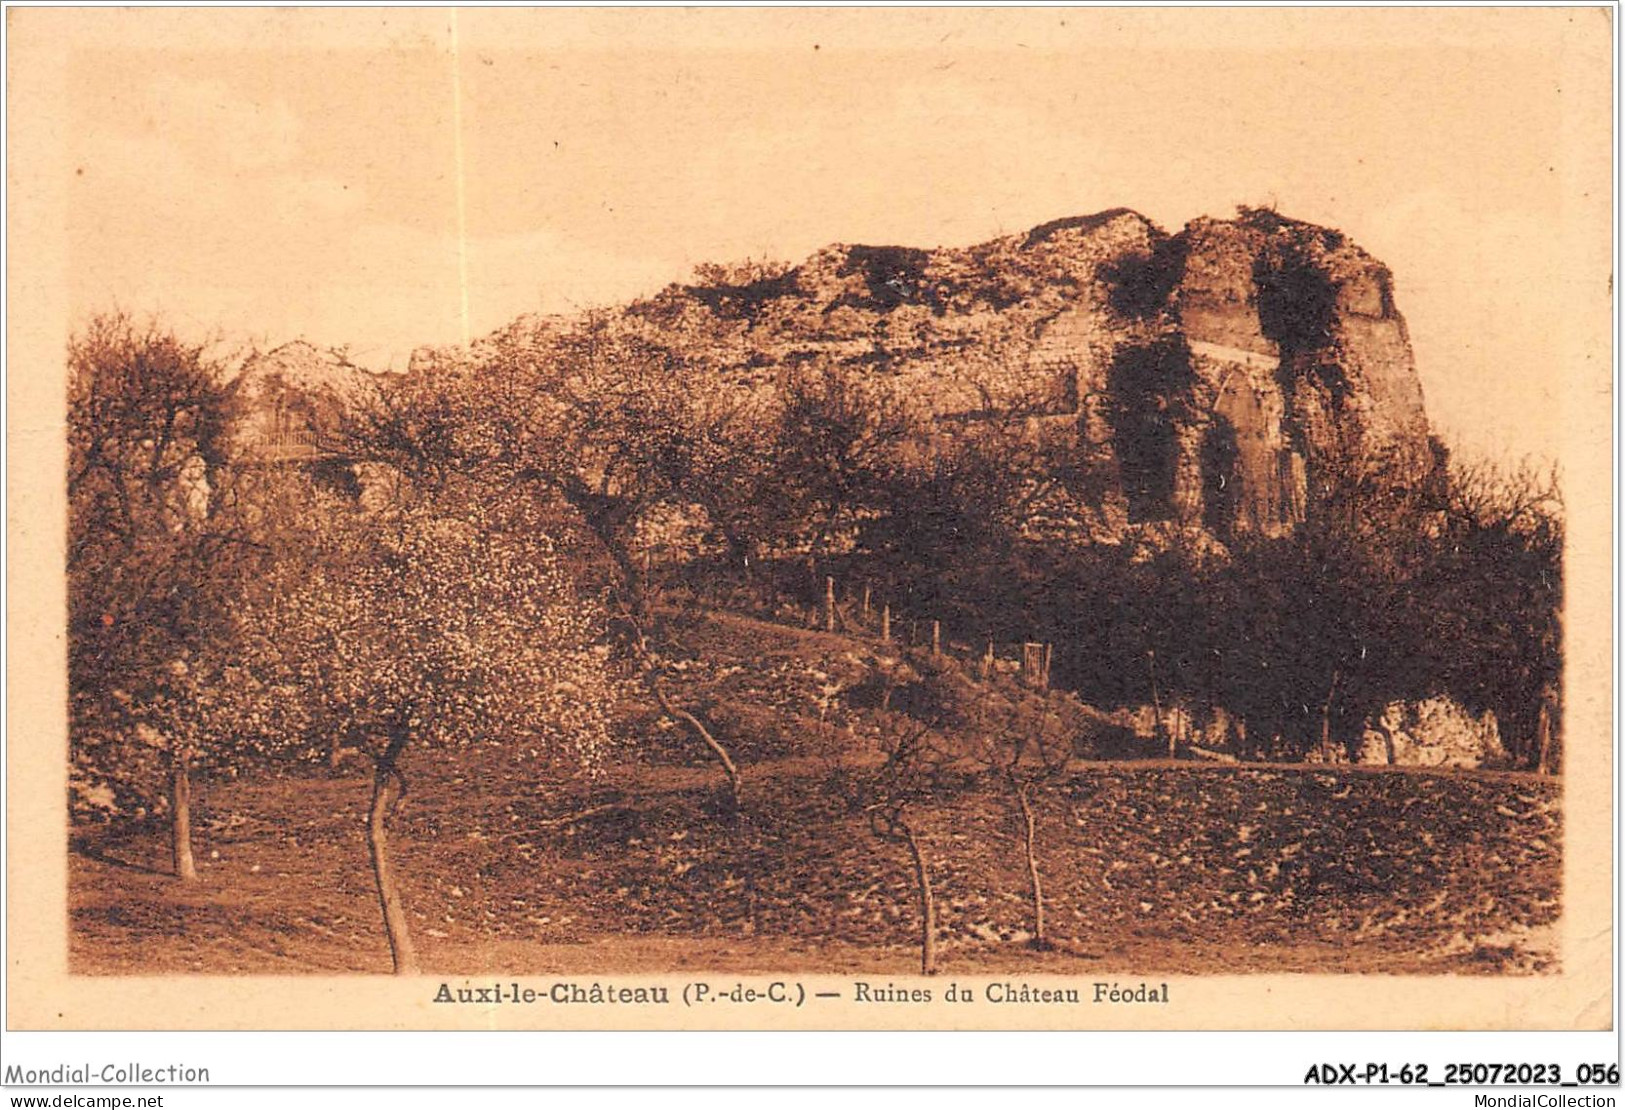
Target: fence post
x=987 y=660
x=885 y=625
x=936 y=637
x=866 y=603
x=829 y=603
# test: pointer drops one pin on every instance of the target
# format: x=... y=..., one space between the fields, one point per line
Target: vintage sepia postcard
x=810 y=519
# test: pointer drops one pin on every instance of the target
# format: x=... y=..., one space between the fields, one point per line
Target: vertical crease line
x=462 y=200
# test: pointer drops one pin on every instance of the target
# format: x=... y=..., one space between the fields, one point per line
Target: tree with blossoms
x=157 y=552
x=440 y=621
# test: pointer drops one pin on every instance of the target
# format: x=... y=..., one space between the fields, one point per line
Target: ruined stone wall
x=1252 y=352
x=1207 y=377
x=1301 y=360
x=1242 y=445
x=286 y=404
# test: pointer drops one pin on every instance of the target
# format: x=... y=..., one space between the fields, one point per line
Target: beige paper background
x=50 y=253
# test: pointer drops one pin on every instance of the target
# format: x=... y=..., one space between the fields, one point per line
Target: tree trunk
x=384 y=794
x=180 y=804
x=1029 y=836
x=928 y=904
x=753 y=901
x=637 y=586
x=1326 y=721
x=683 y=716
x=607 y=517
x=1158 y=731
x=1543 y=738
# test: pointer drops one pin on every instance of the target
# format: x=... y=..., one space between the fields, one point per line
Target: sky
x=386 y=179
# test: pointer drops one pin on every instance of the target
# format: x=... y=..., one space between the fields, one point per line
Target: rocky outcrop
x=1207 y=378
x=1302 y=363
x=1435 y=732
x=288 y=403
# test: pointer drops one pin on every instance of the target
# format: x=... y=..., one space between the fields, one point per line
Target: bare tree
x=914 y=774
x=836 y=442
x=1034 y=763
x=1498 y=597
x=1024 y=758
x=654 y=679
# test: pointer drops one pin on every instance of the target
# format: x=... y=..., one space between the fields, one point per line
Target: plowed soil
x=509 y=864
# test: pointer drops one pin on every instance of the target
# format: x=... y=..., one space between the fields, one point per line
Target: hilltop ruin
x=1205 y=378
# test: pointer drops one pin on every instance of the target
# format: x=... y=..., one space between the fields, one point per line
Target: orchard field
x=1149 y=866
